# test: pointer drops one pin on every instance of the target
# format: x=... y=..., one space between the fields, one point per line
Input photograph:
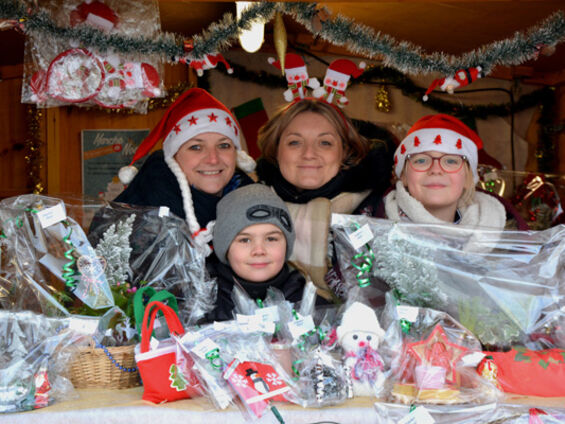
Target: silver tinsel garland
x=339 y=30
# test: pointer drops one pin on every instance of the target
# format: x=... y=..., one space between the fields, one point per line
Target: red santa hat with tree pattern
x=440 y=133
x=194 y=112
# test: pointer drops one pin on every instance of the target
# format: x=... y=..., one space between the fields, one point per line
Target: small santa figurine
x=359 y=335
x=337 y=76
x=462 y=78
x=210 y=61
x=296 y=77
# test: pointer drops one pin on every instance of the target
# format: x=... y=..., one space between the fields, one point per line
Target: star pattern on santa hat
x=192 y=120
x=212 y=117
x=459 y=144
x=176 y=129
x=437 y=139
x=228 y=122
x=437 y=350
x=402 y=149
x=416 y=141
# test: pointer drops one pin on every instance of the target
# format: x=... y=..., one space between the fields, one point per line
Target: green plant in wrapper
x=493 y=329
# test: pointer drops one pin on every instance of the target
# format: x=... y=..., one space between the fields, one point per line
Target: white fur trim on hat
x=436 y=139
x=198 y=122
x=244 y=161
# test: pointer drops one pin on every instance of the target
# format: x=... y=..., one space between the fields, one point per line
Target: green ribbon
x=405 y=325
x=363 y=262
x=68 y=272
x=214 y=357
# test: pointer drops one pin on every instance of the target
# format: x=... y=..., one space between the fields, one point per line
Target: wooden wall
x=64 y=126
x=60 y=135
x=13 y=132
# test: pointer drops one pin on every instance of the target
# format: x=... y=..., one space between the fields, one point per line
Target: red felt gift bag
x=531 y=373
x=163 y=381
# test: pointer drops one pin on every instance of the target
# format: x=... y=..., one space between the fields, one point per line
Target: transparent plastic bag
x=433 y=358
x=504 y=286
x=33 y=357
x=62 y=72
x=490 y=413
x=47 y=255
x=163 y=256
x=237 y=365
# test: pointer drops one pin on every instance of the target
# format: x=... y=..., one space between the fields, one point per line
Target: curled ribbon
x=68 y=272
x=363 y=262
x=405 y=325
x=214 y=357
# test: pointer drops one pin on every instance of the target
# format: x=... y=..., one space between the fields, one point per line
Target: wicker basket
x=93 y=368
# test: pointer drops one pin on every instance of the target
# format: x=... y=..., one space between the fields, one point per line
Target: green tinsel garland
x=339 y=30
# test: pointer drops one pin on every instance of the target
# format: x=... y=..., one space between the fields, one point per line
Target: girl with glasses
x=436 y=166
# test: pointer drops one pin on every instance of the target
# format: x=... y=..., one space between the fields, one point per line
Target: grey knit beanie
x=249 y=205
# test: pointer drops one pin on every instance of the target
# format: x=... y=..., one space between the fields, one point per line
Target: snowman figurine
x=359 y=335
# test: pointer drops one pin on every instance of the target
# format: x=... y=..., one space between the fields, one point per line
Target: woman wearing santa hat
x=318 y=163
x=436 y=166
x=197 y=165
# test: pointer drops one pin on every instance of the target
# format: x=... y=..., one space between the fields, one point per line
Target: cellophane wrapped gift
x=47 y=260
x=433 y=358
x=68 y=71
x=506 y=287
x=33 y=358
x=236 y=364
x=163 y=255
x=490 y=413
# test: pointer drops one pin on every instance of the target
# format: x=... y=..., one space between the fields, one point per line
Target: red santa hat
x=340 y=71
x=94 y=13
x=294 y=67
x=441 y=133
x=194 y=112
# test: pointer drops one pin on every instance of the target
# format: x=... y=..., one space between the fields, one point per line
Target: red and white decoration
x=461 y=78
x=94 y=13
x=440 y=133
x=210 y=61
x=296 y=77
x=60 y=73
x=337 y=76
x=256 y=384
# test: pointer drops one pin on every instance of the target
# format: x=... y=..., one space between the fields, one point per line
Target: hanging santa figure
x=94 y=13
x=359 y=335
x=337 y=76
x=210 y=61
x=461 y=78
x=296 y=77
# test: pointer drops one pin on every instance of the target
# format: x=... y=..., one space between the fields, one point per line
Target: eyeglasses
x=422 y=162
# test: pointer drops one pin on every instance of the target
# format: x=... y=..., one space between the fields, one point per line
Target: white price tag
x=84 y=325
x=153 y=343
x=255 y=323
x=52 y=215
x=419 y=415
x=361 y=236
x=163 y=211
x=472 y=359
x=205 y=346
x=301 y=326
x=267 y=314
x=409 y=313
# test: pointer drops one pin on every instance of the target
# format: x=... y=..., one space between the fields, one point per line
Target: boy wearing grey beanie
x=253 y=238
